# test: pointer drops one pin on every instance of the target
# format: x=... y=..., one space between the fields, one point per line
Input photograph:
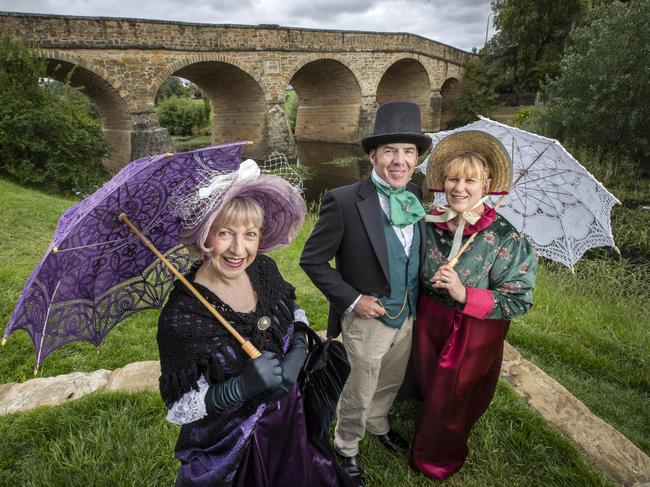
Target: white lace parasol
x=555 y=202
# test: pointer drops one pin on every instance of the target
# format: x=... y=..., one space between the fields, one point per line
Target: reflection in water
x=331 y=165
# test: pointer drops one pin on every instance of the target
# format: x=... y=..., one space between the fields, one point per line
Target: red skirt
x=457 y=362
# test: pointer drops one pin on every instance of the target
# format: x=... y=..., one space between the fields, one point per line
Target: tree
x=476 y=97
x=174 y=86
x=291 y=107
x=531 y=38
x=48 y=137
x=525 y=51
x=601 y=98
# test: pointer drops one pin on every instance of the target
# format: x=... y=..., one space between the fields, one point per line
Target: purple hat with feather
x=281 y=202
x=284 y=208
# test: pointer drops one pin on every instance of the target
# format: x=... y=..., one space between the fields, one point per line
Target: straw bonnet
x=398 y=122
x=483 y=143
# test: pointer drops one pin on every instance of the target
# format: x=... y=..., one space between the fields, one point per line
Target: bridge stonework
x=340 y=77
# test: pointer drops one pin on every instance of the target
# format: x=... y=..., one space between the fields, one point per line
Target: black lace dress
x=250 y=444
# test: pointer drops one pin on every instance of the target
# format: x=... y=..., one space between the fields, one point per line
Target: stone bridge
x=340 y=77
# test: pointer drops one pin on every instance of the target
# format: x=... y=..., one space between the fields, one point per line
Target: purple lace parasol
x=95 y=272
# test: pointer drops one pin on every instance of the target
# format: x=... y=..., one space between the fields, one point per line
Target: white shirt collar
x=376 y=178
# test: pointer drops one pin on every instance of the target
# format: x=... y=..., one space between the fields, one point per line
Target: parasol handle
x=248 y=347
x=454 y=260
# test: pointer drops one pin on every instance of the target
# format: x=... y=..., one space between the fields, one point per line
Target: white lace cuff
x=191 y=406
x=300 y=315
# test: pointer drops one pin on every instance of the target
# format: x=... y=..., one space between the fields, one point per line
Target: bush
x=291 y=108
x=522 y=116
x=183 y=116
x=49 y=137
x=174 y=86
x=183 y=143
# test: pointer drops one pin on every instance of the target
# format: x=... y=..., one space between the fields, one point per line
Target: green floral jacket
x=498 y=269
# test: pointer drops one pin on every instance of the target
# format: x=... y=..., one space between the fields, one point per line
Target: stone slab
x=134 y=377
x=50 y=391
x=608 y=449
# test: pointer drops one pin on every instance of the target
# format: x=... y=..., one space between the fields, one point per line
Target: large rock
x=138 y=376
x=609 y=450
x=49 y=391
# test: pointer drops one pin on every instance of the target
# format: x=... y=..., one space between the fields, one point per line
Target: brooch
x=263 y=323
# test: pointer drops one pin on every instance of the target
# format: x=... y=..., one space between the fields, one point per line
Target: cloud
x=459 y=23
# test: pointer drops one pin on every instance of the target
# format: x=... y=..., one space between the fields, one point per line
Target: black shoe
x=393 y=441
x=353 y=470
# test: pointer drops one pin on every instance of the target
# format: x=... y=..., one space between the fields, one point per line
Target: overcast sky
x=459 y=23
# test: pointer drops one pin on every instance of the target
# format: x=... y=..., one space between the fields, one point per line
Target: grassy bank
x=587 y=335
x=123 y=439
x=590 y=332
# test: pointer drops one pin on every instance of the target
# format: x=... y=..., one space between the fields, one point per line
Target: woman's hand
x=261 y=374
x=447 y=278
x=258 y=376
x=291 y=366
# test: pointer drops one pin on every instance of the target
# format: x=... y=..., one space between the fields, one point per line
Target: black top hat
x=398 y=121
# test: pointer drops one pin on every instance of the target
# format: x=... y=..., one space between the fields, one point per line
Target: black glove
x=291 y=365
x=259 y=375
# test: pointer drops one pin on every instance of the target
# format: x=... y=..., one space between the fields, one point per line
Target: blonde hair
x=240 y=211
x=236 y=212
x=470 y=164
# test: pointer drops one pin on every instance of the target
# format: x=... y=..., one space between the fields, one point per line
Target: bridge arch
x=108 y=97
x=449 y=93
x=407 y=79
x=238 y=100
x=329 y=100
x=142 y=53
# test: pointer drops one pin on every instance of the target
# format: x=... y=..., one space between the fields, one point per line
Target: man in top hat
x=374 y=230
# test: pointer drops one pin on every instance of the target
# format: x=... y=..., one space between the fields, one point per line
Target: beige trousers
x=378 y=356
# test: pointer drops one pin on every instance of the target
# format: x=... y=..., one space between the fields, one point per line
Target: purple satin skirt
x=268 y=448
x=457 y=362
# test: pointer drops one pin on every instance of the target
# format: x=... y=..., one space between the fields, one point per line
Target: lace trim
x=300 y=315
x=191 y=406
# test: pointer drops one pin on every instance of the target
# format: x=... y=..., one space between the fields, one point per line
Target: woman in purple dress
x=243 y=421
x=464 y=311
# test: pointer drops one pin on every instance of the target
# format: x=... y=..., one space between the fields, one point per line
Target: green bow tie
x=405 y=208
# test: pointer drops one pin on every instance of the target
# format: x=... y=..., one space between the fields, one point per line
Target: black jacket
x=350 y=229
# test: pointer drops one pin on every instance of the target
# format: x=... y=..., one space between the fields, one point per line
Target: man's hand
x=368 y=307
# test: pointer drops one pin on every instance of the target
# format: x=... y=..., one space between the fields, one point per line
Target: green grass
x=588 y=330
x=183 y=143
x=632 y=230
x=100 y=440
x=123 y=439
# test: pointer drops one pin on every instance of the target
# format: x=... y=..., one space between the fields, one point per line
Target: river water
x=331 y=165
